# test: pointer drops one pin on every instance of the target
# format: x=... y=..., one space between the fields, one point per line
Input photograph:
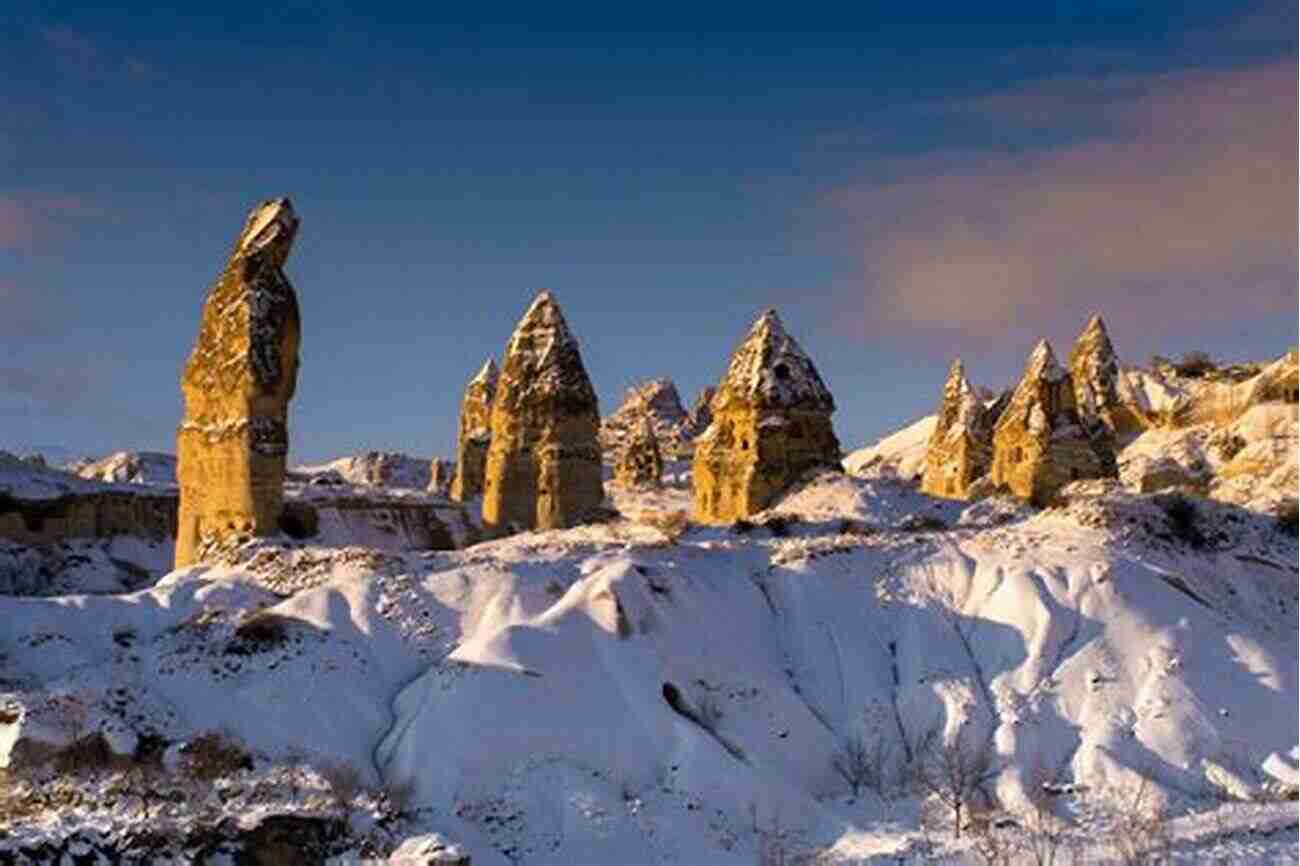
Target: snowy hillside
x=899 y=455
x=616 y=694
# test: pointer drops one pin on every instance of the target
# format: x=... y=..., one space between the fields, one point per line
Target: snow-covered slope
x=602 y=694
x=130 y=467
x=900 y=455
x=370 y=468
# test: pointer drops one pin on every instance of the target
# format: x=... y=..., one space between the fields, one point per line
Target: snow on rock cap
x=770 y=370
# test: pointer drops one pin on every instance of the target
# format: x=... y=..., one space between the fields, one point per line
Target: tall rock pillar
x=543 y=466
x=771 y=423
x=475 y=433
x=232 y=443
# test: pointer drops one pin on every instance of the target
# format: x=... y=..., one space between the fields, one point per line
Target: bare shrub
x=994 y=844
x=1043 y=834
x=856 y=527
x=1195 y=364
x=344 y=781
x=742 y=527
x=1137 y=826
x=84 y=755
x=673 y=524
x=862 y=766
x=952 y=771
x=213 y=754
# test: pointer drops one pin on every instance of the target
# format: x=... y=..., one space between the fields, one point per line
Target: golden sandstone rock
x=237 y=384
x=1100 y=391
x=544 y=462
x=475 y=433
x=961 y=447
x=640 y=463
x=1040 y=442
x=771 y=424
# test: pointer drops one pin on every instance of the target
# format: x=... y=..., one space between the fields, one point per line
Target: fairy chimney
x=771 y=423
x=961 y=447
x=640 y=463
x=475 y=433
x=543 y=467
x=231 y=444
x=1040 y=442
x=1101 y=393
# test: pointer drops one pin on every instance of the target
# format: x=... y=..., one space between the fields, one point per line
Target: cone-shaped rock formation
x=543 y=466
x=237 y=383
x=771 y=423
x=475 y=433
x=640 y=463
x=1100 y=393
x=1040 y=442
x=961 y=446
x=657 y=401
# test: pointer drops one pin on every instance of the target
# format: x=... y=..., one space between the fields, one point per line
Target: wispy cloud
x=76 y=51
x=29 y=219
x=1168 y=197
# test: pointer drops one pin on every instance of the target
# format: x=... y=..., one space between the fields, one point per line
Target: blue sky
x=904 y=186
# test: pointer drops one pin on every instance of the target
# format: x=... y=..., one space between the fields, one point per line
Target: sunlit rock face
x=237 y=384
x=771 y=424
x=475 y=433
x=543 y=468
x=1100 y=391
x=1041 y=442
x=961 y=448
x=640 y=463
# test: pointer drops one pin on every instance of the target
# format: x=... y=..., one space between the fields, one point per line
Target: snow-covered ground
x=620 y=693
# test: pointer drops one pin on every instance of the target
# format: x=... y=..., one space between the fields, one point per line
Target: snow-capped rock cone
x=771 y=423
x=543 y=466
x=237 y=383
x=1040 y=443
x=656 y=401
x=961 y=447
x=1100 y=391
x=475 y=433
x=640 y=463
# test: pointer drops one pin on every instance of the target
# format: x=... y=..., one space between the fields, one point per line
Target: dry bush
x=856 y=527
x=211 y=755
x=344 y=781
x=953 y=771
x=673 y=524
x=1181 y=513
x=1137 y=832
x=779 y=524
x=84 y=755
x=862 y=766
x=742 y=527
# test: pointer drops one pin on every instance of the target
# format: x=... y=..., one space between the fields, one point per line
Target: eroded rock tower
x=771 y=423
x=237 y=383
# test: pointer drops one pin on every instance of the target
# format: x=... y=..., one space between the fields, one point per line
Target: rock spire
x=1040 y=442
x=543 y=468
x=237 y=383
x=771 y=423
x=474 y=433
x=960 y=450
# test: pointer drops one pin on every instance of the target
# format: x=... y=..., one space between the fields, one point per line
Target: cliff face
x=238 y=381
x=543 y=468
x=771 y=424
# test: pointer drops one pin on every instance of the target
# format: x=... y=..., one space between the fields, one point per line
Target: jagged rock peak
x=270 y=228
x=770 y=370
x=487 y=375
x=1042 y=364
x=961 y=407
x=542 y=358
x=1094 y=370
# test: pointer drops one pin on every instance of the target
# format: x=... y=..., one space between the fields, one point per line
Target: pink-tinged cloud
x=1173 y=200
x=29 y=219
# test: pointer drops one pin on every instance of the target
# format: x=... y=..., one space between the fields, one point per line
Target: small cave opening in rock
x=299 y=520
x=782 y=372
